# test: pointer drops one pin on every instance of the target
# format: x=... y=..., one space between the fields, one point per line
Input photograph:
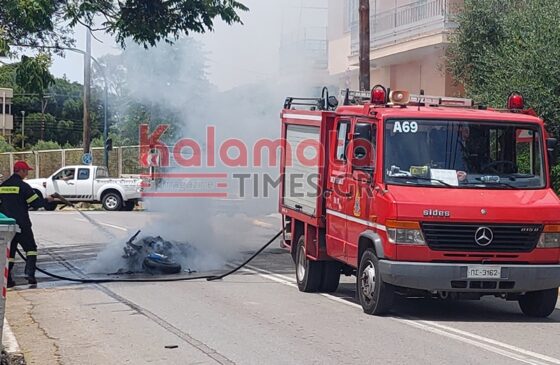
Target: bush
x=5 y=146
x=46 y=145
x=556 y=179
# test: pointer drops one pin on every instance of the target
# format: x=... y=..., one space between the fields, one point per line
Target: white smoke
x=221 y=229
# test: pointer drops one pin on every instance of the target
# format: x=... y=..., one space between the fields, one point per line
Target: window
x=464 y=154
x=352 y=14
x=342 y=140
x=66 y=174
x=102 y=173
x=364 y=146
x=83 y=174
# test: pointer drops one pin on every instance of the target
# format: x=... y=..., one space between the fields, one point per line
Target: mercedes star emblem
x=483 y=236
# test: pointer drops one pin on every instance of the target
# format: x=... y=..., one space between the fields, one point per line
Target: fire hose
x=150 y=280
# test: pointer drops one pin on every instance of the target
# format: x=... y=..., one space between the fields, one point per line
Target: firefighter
x=16 y=196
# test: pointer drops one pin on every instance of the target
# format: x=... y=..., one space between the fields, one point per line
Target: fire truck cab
x=417 y=194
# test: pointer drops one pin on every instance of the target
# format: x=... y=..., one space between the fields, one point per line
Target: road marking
x=485 y=343
x=105 y=224
x=9 y=340
x=494 y=342
x=262 y=224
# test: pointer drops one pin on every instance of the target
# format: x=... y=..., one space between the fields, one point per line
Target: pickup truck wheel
x=308 y=273
x=331 y=276
x=539 y=303
x=376 y=297
x=112 y=201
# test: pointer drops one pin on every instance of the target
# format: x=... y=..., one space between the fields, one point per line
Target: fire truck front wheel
x=376 y=296
x=539 y=303
x=308 y=273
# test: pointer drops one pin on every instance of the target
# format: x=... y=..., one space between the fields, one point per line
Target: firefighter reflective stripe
x=11 y=259
x=9 y=190
x=32 y=198
x=31 y=253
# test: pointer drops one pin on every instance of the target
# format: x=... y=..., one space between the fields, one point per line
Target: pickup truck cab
x=90 y=184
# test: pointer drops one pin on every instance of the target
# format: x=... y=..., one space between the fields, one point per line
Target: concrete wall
x=424 y=74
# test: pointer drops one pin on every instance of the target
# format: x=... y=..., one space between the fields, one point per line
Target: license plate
x=484 y=272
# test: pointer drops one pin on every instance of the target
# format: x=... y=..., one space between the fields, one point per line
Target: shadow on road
x=489 y=309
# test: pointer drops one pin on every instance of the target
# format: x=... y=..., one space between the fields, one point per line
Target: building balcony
x=421 y=19
x=305 y=49
x=6 y=124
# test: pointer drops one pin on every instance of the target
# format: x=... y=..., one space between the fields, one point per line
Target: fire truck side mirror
x=332 y=101
x=552 y=148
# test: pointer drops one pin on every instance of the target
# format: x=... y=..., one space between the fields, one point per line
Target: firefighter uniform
x=16 y=196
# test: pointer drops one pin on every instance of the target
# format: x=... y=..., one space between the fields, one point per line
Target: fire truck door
x=337 y=189
x=359 y=206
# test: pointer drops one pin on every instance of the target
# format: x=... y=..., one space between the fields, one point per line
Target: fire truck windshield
x=490 y=155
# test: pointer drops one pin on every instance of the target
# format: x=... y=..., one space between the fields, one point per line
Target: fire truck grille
x=475 y=237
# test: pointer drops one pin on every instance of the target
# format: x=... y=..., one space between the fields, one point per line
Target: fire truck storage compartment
x=299 y=193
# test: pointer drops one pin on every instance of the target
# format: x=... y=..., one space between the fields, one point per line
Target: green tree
x=513 y=45
x=5 y=146
x=49 y=23
x=33 y=74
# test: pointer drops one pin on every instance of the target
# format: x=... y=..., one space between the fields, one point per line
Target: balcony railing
x=406 y=22
x=308 y=45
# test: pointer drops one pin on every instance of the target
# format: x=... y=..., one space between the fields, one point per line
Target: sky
x=237 y=55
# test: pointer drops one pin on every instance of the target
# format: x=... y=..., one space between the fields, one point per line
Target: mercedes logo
x=484 y=236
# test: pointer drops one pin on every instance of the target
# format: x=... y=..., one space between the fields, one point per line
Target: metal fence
x=123 y=161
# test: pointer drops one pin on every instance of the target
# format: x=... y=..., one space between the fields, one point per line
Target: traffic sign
x=87 y=159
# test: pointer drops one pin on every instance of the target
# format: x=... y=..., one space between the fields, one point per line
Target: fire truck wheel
x=331 y=276
x=539 y=303
x=376 y=297
x=308 y=273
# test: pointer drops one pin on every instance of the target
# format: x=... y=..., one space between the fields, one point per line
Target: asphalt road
x=256 y=316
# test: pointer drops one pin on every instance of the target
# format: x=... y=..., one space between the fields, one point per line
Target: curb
x=9 y=341
x=11 y=352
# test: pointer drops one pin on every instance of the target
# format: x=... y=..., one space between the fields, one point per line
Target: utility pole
x=364 y=46
x=22 y=130
x=44 y=102
x=4 y=113
x=105 y=126
x=87 y=92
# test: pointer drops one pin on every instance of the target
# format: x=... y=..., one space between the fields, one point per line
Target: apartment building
x=408 y=43
x=6 y=117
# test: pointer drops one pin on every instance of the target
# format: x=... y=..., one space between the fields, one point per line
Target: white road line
x=485 y=343
x=480 y=344
x=105 y=224
x=9 y=340
x=494 y=342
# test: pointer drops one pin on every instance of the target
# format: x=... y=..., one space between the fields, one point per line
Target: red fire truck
x=416 y=194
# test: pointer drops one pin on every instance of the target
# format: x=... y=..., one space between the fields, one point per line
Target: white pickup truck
x=90 y=184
